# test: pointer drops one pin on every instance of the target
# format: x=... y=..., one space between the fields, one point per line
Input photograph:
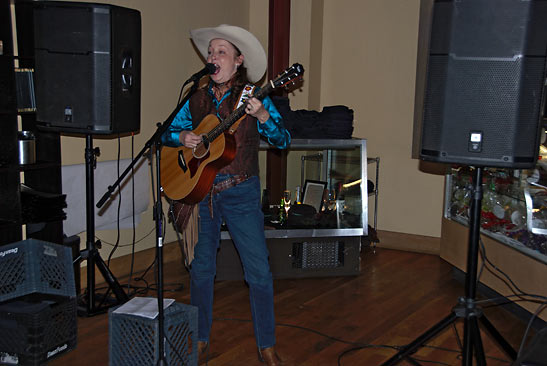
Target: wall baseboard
x=121 y=266
x=409 y=242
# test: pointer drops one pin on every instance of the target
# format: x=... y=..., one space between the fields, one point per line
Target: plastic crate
x=133 y=340
x=37 y=329
x=35 y=266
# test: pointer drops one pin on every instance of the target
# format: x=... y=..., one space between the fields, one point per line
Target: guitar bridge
x=182 y=161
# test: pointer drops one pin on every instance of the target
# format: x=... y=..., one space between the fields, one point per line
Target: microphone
x=208 y=69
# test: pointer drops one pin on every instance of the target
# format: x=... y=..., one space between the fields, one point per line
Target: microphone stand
x=155 y=141
x=91 y=253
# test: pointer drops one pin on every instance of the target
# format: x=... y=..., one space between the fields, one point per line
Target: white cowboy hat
x=254 y=56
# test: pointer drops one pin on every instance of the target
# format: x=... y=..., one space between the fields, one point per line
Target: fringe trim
x=186 y=219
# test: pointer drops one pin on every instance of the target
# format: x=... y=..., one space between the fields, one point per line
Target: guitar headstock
x=289 y=76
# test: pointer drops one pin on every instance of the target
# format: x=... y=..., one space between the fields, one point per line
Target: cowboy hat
x=253 y=52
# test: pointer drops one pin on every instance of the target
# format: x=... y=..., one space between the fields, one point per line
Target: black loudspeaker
x=485 y=83
x=87 y=67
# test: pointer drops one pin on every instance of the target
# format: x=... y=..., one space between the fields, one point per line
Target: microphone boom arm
x=156 y=137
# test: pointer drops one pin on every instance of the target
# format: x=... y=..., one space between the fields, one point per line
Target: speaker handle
x=127 y=71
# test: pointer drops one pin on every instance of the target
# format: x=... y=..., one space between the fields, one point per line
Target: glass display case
x=315 y=228
x=514 y=206
x=326 y=191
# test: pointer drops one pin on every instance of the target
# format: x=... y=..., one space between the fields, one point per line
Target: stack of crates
x=38 y=305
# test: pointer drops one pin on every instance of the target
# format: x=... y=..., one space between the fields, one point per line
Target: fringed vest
x=246 y=136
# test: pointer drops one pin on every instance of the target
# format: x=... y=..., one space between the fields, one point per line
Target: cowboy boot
x=203 y=352
x=269 y=357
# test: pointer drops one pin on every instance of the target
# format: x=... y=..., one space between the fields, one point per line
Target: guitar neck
x=237 y=114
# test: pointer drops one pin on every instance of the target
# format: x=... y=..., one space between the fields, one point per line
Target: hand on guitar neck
x=256 y=109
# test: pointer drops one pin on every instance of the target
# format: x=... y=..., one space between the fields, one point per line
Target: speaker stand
x=466 y=308
x=91 y=253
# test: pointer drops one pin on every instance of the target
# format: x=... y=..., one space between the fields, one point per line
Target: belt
x=230 y=182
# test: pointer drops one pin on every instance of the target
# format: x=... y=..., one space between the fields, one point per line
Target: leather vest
x=246 y=135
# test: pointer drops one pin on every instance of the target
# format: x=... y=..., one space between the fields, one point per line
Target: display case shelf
x=39 y=165
x=505 y=215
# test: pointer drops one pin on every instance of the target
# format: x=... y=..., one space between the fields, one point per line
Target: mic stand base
x=96 y=304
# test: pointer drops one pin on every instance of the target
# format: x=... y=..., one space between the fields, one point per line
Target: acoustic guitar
x=188 y=174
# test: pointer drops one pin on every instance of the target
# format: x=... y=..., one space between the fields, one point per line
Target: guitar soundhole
x=202 y=149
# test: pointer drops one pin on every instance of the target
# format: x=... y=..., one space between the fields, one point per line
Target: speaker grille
x=488 y=96
x=317 y=255
x=479 y=81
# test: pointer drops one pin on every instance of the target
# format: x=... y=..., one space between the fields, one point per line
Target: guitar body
x=188 y=174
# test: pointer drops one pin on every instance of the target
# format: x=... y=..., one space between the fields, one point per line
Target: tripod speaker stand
x=466 y=307
x=91 y=254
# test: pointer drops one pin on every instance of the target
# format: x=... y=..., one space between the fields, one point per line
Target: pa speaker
x=87 y=67
x=485 y=83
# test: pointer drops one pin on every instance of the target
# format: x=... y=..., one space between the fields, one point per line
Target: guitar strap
x=246 y=93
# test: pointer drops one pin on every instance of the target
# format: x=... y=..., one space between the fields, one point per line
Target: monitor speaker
x=485 y=83
x=87 y=67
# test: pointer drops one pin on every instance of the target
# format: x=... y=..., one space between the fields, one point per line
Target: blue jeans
x=239 y=207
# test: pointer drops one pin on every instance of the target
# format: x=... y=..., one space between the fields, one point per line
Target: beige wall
x=358 y=53
x=368 y=52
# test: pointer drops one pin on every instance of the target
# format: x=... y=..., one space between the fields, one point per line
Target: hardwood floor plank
x=398 y=296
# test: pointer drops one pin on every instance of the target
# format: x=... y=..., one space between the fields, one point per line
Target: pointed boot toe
x=269 y=357
x=203 y=352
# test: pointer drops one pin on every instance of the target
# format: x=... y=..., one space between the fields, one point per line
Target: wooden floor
x=397 y=296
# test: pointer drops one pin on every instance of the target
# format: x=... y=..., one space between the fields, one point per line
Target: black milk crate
x=35 y=266
x=133 y=340
x=36 y=329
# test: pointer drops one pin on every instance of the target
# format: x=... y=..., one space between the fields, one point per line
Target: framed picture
x=313 y=193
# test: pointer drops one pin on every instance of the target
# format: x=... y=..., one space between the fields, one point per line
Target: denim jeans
x=239 y=207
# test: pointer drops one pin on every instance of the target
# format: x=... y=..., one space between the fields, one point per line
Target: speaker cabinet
x=87 y=67
x=485 y=81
